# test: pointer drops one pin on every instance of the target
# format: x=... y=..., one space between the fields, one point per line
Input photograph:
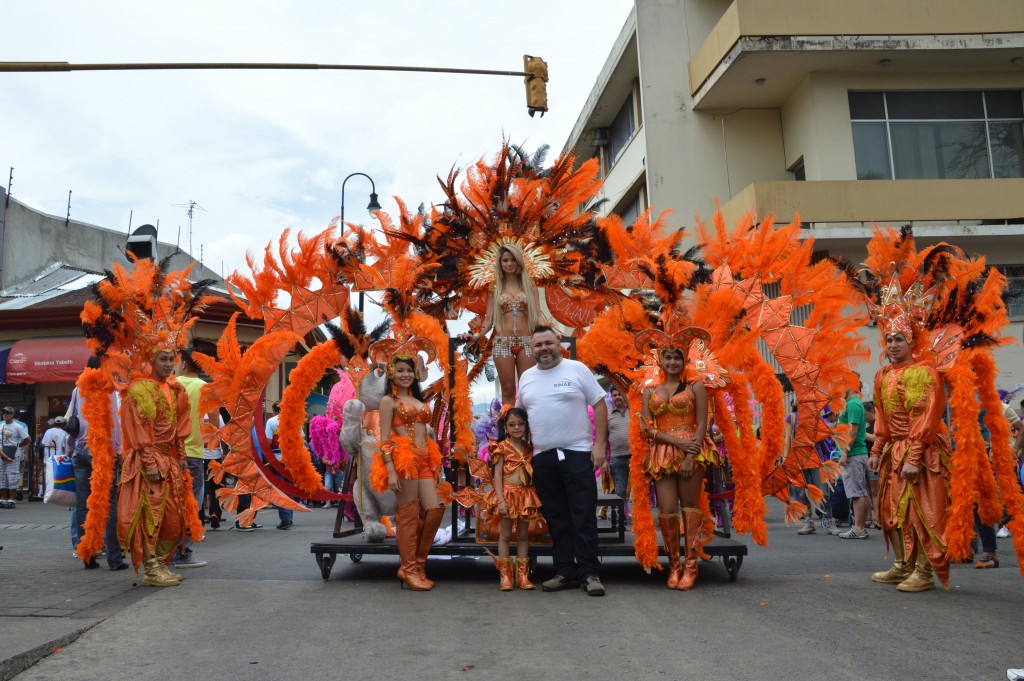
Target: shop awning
x=46 y=360
x=5 y=349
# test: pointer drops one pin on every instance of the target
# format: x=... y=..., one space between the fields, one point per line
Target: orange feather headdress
x=389 y=350
x=901 y=311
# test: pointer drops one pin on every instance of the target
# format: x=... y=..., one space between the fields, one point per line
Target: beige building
x=845 y=112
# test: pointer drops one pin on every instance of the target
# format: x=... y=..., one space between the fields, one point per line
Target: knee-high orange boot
x=406 y=520
x=692 y=520
x=431 y=521
x=670 y=538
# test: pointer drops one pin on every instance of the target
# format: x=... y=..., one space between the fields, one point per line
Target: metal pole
x=341 y=218
x=62 y=66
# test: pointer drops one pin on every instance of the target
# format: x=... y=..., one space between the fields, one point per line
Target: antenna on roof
x=191 y=205
x=67 y=218
x=10 y=181
x=131 y=214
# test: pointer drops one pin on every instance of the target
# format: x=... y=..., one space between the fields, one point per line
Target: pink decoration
x=323 y=436
x=342 y=392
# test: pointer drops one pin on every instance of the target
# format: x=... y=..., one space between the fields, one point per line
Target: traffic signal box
x=536 y=84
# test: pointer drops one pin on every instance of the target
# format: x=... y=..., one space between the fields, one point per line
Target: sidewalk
x=48 y=599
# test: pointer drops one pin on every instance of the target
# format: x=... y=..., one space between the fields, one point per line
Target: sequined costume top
x=514 y=305
x=676 y=417
x=521 y=500
x=405 y=414
x=512 y=460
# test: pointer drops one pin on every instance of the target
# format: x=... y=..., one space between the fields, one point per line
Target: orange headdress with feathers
x=389 y=350
x=138 y=313
x=903 y=312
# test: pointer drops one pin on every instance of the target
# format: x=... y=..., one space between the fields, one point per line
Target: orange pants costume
x=910 y=402
x=154 y=423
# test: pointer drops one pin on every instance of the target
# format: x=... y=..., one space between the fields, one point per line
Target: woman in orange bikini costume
x=513 y=311
x=412 y=462
x=675 y=420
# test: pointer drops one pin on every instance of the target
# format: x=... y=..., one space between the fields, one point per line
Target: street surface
x=802 y=608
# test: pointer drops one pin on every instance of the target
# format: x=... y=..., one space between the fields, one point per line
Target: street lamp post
x=372 y=208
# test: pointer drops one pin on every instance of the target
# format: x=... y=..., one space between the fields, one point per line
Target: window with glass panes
x=1014 y=296
x=938 y=135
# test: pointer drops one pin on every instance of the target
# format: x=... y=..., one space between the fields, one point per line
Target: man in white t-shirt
x=14 y=440
x=55 y=439
x=556 y=393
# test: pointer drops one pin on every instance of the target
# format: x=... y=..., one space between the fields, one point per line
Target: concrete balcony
x=844 y=210
x=760 y=50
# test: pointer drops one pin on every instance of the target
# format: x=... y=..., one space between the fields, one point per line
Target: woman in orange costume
x=411 y=461
x=151 y=492
x=912 y=456
x=675 y=420
x=512 y=310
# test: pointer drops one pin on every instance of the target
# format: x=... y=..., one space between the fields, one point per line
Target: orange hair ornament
x=388 y=350
x=656 y=340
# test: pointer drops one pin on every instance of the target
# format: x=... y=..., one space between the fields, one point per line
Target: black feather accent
x=381 y=330
x=701 y=275
x=354 y=322
x=906 y=232
x=341 y=339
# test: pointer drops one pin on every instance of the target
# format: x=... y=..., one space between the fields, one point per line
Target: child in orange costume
x=512 y=496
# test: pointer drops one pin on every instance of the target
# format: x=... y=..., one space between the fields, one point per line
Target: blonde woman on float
x=513 y=310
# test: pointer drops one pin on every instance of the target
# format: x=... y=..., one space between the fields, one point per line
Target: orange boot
x=428 y=530
x=406 y=519
x=523 y=574
x=670 y=538
x=505 y=568
x=692 y=520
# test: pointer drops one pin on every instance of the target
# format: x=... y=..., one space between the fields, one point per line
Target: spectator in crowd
x=210 y=486
x=81 y=458
x=619 y=454
x=55 y=438
x=285 y=516
x=14 y=441
x=1016 y=439
x=869 y=439
x=188 y=377
x=556 y=393
x=854 y=465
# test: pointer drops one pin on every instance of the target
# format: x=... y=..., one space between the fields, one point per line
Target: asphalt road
x=802 y=608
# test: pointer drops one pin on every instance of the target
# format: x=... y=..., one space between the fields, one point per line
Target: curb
x=15 y=665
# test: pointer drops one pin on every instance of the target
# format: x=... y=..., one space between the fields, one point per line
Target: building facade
x=845 y=114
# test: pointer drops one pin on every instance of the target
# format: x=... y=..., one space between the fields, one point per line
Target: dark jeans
x=839 y=503
x=568 y=497
x=986 y=533
x=244 y=502
x=619 y=467
x=82 y=462
x=196 y=469
x=210 y=488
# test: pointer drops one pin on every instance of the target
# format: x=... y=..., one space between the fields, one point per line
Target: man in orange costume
x=912 y=456
x=151 y=499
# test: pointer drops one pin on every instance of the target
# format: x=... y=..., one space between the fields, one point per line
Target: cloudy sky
x=263 y=150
